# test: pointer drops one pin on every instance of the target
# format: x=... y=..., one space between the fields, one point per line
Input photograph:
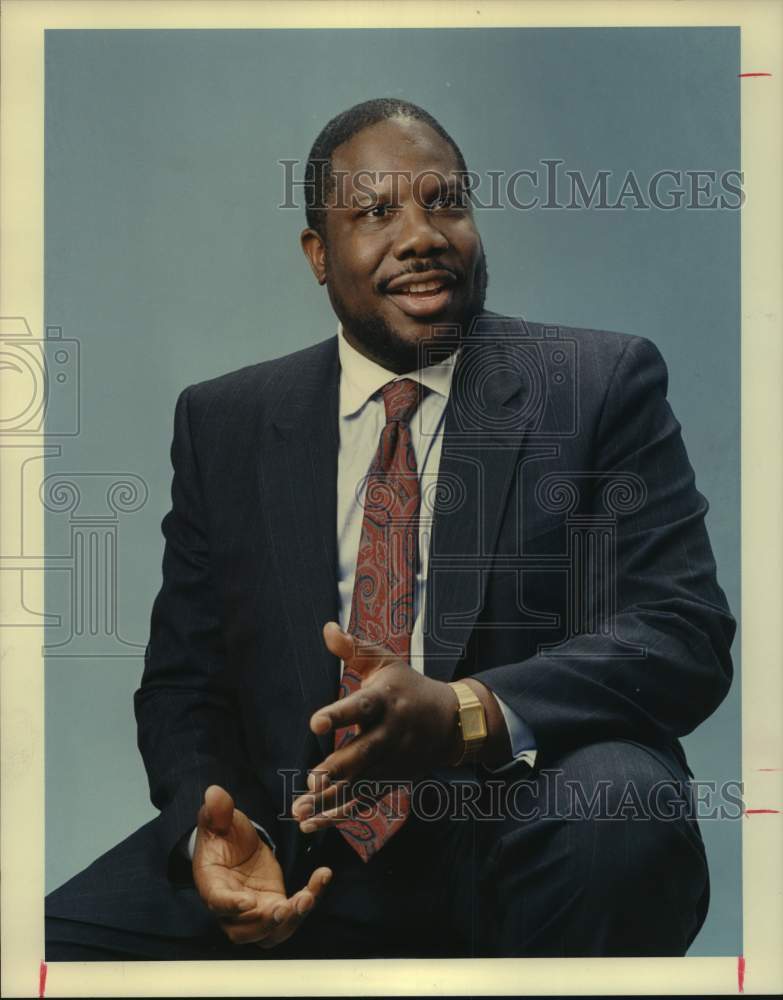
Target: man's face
x=402 y=252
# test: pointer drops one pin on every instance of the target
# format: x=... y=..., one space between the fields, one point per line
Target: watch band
x=472 y=721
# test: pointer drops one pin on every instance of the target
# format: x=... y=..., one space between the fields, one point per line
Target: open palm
x=239 y=879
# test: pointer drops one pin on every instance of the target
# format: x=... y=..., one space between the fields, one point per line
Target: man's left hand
x=407 y=725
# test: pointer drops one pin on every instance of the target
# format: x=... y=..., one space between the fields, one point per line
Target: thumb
x=217 y=813
x=338 y=642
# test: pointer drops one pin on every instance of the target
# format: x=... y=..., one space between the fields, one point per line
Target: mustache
x=418 y=267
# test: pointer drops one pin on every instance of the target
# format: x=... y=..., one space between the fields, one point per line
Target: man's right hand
x=238 y=877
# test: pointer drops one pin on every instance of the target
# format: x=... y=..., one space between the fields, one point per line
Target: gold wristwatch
x=472 y=721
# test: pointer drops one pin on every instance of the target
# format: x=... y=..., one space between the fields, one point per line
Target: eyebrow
x=452 y=183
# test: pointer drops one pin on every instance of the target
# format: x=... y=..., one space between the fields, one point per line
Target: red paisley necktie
x=382 y=609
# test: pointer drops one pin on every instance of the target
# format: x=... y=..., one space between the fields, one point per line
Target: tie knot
x=401 y=398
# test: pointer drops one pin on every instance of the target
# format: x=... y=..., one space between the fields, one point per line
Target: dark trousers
x=598 y=854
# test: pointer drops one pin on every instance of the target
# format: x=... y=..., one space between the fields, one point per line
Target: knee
x=631 y=810
x=611 y=806
x=604 y=831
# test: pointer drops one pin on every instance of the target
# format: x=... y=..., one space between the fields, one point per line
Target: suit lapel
x=298 y=475
x=481 y=448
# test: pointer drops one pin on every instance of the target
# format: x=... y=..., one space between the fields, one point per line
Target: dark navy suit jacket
x=570 y=568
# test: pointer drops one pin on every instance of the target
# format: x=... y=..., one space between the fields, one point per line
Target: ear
x=315 y=251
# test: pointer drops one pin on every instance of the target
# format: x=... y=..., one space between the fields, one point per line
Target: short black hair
x=319 y=178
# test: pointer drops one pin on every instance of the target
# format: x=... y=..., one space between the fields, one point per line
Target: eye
x=449 y=199
x=380 y=210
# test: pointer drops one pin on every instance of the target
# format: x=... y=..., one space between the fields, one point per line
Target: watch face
x=473 y=723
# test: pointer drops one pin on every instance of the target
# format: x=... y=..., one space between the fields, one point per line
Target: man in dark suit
x=437 y=603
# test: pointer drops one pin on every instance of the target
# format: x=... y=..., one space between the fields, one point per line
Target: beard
x=378 y=340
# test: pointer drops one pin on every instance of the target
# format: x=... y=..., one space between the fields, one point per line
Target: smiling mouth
x=423 y=298
x=421 y=289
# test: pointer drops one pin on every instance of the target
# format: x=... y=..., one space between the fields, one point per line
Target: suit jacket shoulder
x=229 y=406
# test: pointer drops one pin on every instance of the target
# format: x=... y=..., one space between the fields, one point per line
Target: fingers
x=310 y=803
x=356 y=760
x=338 y=642
x=333 y=795
x=229 y=904
x=217 y=812
x=319 y=880
x=274 y=918
x=330 y=817
x=344 y=800
x=257 y=931
x=304 y=900
x=268 y=913
x=303 y=903
x=362 y=708
x=359 y=654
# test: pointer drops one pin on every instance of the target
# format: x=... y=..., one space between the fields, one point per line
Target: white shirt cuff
x=523 y=742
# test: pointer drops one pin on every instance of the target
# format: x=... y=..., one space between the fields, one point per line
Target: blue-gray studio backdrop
x=168 y=261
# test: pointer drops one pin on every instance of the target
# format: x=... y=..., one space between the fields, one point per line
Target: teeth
x=424 y=286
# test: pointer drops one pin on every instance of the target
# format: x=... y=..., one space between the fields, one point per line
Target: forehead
x=398 y=144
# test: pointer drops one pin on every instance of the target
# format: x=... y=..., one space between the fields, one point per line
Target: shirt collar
x=361 y=378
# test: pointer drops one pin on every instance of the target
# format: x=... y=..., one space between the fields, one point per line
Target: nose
x=417 y=235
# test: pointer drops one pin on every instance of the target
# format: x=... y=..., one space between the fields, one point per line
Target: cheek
x=357 y=265
x=465 y=239
x=368 y=256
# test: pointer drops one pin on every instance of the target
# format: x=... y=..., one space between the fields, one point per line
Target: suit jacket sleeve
x=668 y=601
x=188 y=733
